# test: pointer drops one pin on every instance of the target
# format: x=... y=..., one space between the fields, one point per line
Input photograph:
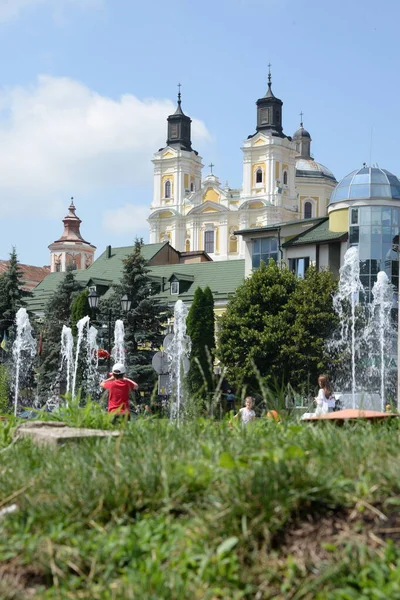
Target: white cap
x=118 y=368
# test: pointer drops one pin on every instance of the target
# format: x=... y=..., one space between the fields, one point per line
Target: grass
x=204 y=512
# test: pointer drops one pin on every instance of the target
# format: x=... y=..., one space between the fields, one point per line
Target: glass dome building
x=366 y=203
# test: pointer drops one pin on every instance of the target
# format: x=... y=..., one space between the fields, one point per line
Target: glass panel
x=395 y=217
x=274 y=256
x=386 y=235
x=395 y=268
x=274 y=244
x=376 y=250
x=346 y=181
x=354 y=216
x=256 y=246
x=395 y=281
x=380 y=191
x=365 y=215
x=365 y=233
x=265 y=245
x=340 y=194
x=365 y=281
x=364 y=267
x=375 y=264
x=359 y=191
x=376 y=233
x=378 y=177
x=361 y=178
x=354 y=235
x=256 y=261
x=386 y=216
x=364 y=249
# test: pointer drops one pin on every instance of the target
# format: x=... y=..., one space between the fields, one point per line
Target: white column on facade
x=247 y=173
x=223 y=239
x=157 y=186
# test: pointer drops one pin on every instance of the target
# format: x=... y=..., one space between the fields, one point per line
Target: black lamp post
x=93 y=299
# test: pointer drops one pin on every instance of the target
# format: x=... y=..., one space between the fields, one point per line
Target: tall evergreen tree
x=200 y=328
x=145 y=321
x=57 y=314
x=11 y=293
x=79 y=309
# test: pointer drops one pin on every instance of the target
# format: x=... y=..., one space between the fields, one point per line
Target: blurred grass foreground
x=204 y=511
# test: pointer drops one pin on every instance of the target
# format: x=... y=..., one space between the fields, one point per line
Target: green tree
x=200 y=328
x=145 y=321
x=277 y=323
x=11 y=293
x=57 y=314
x=79 y=309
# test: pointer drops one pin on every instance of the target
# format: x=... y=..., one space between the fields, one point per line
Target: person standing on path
x=118 y=387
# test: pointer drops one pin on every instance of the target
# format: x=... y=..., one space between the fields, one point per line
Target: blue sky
x=86 y=86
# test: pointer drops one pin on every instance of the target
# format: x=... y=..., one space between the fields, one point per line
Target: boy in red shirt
x=119 y=387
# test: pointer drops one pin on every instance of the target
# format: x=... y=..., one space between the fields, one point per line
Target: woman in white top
x=325 y=399
x=246 y=413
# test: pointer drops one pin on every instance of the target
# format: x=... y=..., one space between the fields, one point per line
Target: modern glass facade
x=264 y=249
x=375 y=230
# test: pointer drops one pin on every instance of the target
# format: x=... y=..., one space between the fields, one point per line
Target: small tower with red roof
x=71 y=248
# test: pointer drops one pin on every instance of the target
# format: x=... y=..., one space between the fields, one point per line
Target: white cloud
x=59 y=138
x=10 y=9
x=123 y=218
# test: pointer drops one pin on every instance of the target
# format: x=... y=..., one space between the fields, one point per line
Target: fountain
x=178 y=358
x=366 y=336
x=381 y=326
x=24 y=350
x=67 y=353
x=81 y=327
x=118 y=351
x=92 y=363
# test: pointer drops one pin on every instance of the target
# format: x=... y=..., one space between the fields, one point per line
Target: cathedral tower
x=177 y=175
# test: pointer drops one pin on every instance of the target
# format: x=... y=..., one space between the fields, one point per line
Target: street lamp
x=93 y=299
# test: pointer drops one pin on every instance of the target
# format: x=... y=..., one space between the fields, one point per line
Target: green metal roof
x=319 y=234
x=278 y=225
x=222 y=277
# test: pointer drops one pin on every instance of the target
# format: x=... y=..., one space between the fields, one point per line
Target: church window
x=307 y=210
x=259 y=176
x=167 y=191
x=192 y=187
x=285 y=178
x=209 y=241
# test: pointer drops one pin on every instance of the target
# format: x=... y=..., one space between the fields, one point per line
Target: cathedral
x=281 y=182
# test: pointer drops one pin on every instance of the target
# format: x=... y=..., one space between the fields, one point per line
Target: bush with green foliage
x=276 y=324
x=4 y=389
x=79 y=308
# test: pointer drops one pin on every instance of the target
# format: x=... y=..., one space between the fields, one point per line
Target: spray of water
x=381 y=325
x=67 y=354
x=118 y=351
x=24 y=350
x=178 y=353
x=81 y=325
x=92 y=362
x=350 y=287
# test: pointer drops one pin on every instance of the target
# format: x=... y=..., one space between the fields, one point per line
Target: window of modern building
x=307 y=210
x=264 y=249
x=167 y=190
x=259 y=176
x=284 y=177
x=375 y=230
x=299 y=265
x=174 y=287
x=209 y=241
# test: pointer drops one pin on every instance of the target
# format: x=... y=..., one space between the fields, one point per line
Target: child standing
x=119 y=387
x=246 y=413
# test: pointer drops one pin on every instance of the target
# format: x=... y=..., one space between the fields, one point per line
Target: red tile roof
x=31 y=275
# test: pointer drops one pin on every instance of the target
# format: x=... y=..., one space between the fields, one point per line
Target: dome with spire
x=301 y=133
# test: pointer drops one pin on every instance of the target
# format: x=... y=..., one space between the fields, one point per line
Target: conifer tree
x=200 y=329
x=144 y=323
x=79 y=309
x=57 y=314
x=11 y=293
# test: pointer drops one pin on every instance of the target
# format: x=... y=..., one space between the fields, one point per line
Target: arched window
x=233 y=243
x=285 y=178
x=187 y=246
x=259 y=176
x=307 y=210
x=167 y=190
